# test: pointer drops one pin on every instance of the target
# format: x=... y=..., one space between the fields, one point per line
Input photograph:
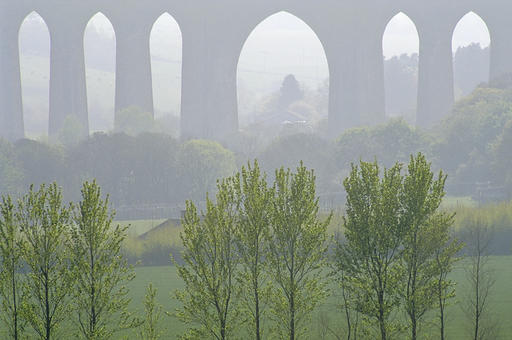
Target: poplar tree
x=209 y=269
x=427 y=240
x=445 y=257
x=44 y=222
x=482 y=279
x=399 y=247
x=297 y=251
x=152 y=315
x=253 y=199
x=371 y=255
x=100 y=272
x=11 y=278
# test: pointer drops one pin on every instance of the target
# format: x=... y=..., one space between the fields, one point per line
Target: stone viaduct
x=214 y=32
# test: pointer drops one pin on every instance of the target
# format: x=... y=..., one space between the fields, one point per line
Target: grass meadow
x=498 y=217
x=164 y=278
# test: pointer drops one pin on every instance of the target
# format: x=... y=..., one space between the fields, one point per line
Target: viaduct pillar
x=11 y=110
x=435 y=79
x=134 y=86
x=209 y=94
x=356 y=71
x=500 y=29
x=68 y=95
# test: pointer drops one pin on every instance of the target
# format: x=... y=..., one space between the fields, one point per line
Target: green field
x=165 y=279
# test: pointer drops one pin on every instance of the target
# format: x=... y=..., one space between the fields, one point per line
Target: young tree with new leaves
x=426 y=239
x=149 y=329
x=371 y=254
x=11 y=279
x=399 y=247
x=44 y=222
x=297 y=251
x=100 y=272
x=445 y=259
x=253 y=199
x=482 y=279
x=211 y=261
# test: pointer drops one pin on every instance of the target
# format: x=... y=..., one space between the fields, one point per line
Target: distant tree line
x=149 y=169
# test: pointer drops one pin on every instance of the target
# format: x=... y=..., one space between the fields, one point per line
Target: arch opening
x=400 y=44
x=166 y=61
x=282 y=77
x=34 y=50
x=471 y=54
x=100 y=69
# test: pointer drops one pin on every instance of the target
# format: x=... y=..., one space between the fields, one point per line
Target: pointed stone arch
x=166 y=49
x=34 y=54
x=401 y=67
x=100 y=67
x=471 y=53
x=315 y=78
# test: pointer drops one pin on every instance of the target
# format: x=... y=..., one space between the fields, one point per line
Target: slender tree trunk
x=47 y=307
x=15 y=301
x=257 y=309
x=477 y=297
x=413 y=328
x=441 y=307
x=92 y=326
x=347 y=315
x=256 y=292
x=381 y=316
x=440 y=296
x=411 y=286
x=223 y=330
x=292 y=294
x=414 y=319
x=292 y=317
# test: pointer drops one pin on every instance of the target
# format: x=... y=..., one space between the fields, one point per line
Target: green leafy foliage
x=428 y=250
x=399 y=247
x=371 y=255
x=133 y=121
x=210 y=268
x=389 y=142
x=72 y=131
x=253 y=199
x=43 y=221
x=202 y=162
x=11 y=172
x=99 y=271
x=152 y=314
x=12 y=296
x=297 y=249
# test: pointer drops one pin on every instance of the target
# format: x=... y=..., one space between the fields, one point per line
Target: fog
x=280 y=45
x=287 y=154
x=283 y=90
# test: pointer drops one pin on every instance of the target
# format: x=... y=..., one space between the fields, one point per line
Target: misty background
x=281 y=45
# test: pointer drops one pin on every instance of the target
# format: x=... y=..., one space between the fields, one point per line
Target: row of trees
x=153 y=169
x=262 y=251
x=150 y=169
x=259 y=258
x=60 y=263
x=255 y=256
